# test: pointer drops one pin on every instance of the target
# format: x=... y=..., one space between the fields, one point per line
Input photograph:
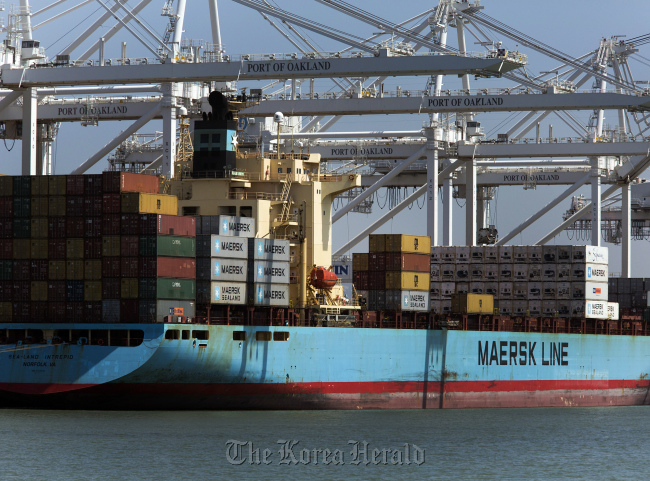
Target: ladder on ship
x=286 y=200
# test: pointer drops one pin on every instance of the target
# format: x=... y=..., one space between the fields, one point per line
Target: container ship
x=214 y=290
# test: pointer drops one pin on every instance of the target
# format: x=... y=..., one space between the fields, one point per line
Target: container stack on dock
x=236 y=269
x=537 y=281
x=394 y=275
x=69 y=244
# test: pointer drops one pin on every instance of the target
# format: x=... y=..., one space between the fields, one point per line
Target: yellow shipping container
x=6 y=308
x=407 y=281
x=359 y=261
x=472 y=304
x=74 y=248
x=93 y=270
x=38 y=290
x=110 y=245
x=39 y=226
x=92 y=291
x=6 y=185
x=377 y=242
x=139 y=203
x=416 y=244
x=40 y=206
x=22 y=249
x=74 y=270
x=56 y=206
x=38 y=248
x=56 y=270
x=40 y=186
x=56 y=184
x=129 y=288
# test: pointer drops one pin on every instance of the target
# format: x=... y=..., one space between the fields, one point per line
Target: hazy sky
x=573 y=27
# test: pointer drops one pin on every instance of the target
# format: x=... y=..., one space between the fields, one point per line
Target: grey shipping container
x=223 y=246
x=228 y=293
x=236 y=226
x=269 y=250
x=275 y=295
x=232 y=270
x=157 y=311
x=268 y=271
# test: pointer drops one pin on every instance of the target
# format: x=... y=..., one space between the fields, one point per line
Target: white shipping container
x=519 y=308
x=577 y=308
x=591 y=254
x=505 y=307
x=535 y=272
x=447 y=289
x=564 y=254
x=549 y=254
x=563 y=273
x=505 y=272
x=491 y=272
x=534 y=308
x=476 y=254
x=612 y=311
x=230 y=270
x=534 y=291
x=520 y=272
x=435 y=272
x=492 y=288
x=491 y=254
x=415 y=301
x=269 y=271
x=447 y=272
x=236 y=226
x=462 y=287
x=505 y=290
x=228 y=293
x=564 y=308
x=163 y=309
x=535 y=254
x=549 y=290
x=276 y=295
x=596 y=291
x=549 y=272
x=549 y=308
x=595 y=310
x=233 y=247
x=445 y=306
x=476 y=272
x=520 y=290
x=435 y=290
x=270 y=250
x=435 y=306
x=520 y=254
x=564 y=290
x=477 y=287
x=462 y=254
x=462 y=272
x=448 y=254
x=505 y=254
x=597 y=272
x=436 y=254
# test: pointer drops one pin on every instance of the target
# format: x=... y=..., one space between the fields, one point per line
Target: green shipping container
x=22 y=206
x=167 y=246
x=176 y=289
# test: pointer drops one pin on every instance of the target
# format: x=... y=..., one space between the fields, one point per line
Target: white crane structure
x=315 y=89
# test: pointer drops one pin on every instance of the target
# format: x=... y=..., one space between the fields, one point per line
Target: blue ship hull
x=273 y=367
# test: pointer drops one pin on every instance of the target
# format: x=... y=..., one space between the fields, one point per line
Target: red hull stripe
x=388 y=387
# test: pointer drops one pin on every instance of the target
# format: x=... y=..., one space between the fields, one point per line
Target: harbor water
x=561 y=443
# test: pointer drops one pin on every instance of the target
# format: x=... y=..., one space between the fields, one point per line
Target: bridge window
x=239 y=335
x=172 y=334
x=280 y=336
x=263 y=336
x=200 y=335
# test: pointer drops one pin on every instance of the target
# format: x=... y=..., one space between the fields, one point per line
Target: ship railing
x=286 y=218
x=289 y=155
x=330 y=178
x=255 y=195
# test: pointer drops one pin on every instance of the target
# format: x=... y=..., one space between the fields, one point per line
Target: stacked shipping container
x=394 y=275
x=562 y=281
x=62 y=242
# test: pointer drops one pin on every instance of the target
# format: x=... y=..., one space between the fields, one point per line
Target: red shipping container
x=130 y=245
x=6 y=206
x=377 y=280
x=130 y=267
x=6 y=291
x=148 y=266
x=39 y=269
x=408 y=262
x=56 y=249
x=22 y=271
x=56 y=311
x=74 y=226
x=179 y=267
x=360 y=279
x=74 y=311
x=56 y=290
x=56 y=227
x=93 y=205
x=129 y=310
x=74 y=206
x=130 y=224
x=93 y=248
x=111 y=224
x=111 y=288
x=37 y=311
x=111 y=203
x=6 y=248
x=6 y=227
x=377 y=261
x=92 y=311
x=161 y=224
x=22 y=291
x=92 y=227
x=74 y=184
x=22 y=311
x=111 y=267
x=114 y=182
x=93 y=184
